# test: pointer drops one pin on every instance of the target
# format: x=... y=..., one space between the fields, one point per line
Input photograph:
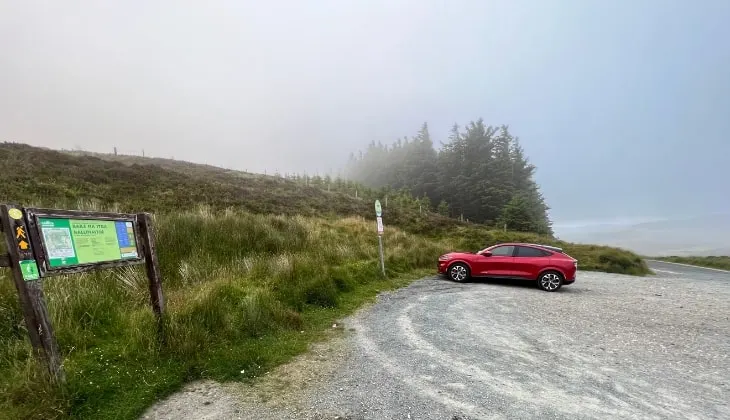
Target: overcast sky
x=624 y=106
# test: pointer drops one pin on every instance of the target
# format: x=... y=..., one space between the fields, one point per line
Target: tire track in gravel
x=519 y=352
x=423 y=387
x=497 y=384
x=601 y=351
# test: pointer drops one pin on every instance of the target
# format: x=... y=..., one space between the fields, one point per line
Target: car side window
x=503 y=251
x=526 y=251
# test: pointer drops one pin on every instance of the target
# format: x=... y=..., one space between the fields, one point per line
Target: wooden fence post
x=30 y=291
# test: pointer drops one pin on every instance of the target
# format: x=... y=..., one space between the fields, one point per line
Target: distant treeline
x=480 y=174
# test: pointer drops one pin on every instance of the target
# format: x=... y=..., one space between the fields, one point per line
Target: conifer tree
x=481 y=173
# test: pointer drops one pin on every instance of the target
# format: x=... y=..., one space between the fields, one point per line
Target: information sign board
x=72 y=241
x=43 y=242
x=76 y=241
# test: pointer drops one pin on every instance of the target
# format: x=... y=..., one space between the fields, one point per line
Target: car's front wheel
x=459 y=272
x=550 y=281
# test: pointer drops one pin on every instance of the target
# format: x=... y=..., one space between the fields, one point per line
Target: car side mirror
x=487 y=253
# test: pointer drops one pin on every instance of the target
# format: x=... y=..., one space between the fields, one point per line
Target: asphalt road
x=674 y=270
x=608 y=346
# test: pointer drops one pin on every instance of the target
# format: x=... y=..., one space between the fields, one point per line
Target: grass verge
x=244 y=293
x=721 y=262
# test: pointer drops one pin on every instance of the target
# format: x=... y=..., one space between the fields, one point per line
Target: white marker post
x=378 y=217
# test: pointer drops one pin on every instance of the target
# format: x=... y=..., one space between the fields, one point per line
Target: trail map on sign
x=59 y=243
x=71 y=242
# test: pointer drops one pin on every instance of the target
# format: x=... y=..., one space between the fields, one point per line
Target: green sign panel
x=378 y=208
x=70 y=242
x=29 y=268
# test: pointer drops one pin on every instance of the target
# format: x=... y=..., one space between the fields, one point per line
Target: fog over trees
x=480 y=173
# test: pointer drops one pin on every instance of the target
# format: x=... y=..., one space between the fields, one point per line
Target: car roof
x=547 y=247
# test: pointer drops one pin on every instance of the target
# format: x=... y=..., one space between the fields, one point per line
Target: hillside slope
x=135 y=183
x=52 y=178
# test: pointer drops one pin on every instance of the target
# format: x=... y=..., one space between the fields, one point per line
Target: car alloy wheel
x=551 y=281
x=458 y=272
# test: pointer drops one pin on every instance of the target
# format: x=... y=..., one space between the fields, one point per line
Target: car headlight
x=444 y=258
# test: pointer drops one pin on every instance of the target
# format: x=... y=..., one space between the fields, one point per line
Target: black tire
x=550 y=281
x=459 y=272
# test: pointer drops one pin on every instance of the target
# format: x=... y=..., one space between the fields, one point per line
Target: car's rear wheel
x=459 y=272
x=550 y=281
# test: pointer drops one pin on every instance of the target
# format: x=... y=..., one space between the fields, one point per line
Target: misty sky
x=624 y=106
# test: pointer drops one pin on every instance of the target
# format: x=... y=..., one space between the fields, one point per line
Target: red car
x=549 y=266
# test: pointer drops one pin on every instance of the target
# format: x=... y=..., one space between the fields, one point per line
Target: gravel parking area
x=608 y=346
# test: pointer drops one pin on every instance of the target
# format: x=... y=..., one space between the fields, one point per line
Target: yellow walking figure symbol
x=20 y=232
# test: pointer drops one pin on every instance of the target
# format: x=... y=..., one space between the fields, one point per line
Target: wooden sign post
x=153 y=270
x=30 y=290
x=47 y=242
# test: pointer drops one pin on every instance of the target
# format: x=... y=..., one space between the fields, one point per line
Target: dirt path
x=281 y=393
